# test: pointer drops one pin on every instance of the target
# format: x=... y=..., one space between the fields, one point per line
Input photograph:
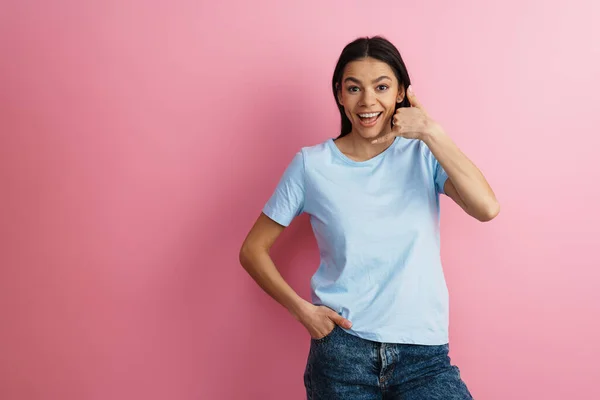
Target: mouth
x=369 y=119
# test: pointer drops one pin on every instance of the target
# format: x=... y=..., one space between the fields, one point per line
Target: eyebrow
x=382 y=77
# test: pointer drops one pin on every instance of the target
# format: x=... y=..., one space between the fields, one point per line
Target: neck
x=360 y=148
x=363 y=146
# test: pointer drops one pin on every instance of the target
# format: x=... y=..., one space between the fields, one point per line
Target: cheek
x=391 y=113
x=344 y=104
x=347 y=112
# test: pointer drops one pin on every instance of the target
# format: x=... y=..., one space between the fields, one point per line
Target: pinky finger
x=381 y=139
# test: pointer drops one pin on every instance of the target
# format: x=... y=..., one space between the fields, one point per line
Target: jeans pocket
x=326 y=337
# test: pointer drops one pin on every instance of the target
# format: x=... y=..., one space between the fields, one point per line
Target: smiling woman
x=378 y=318
x=379 y=86
x=383 y=78
x=368 y=97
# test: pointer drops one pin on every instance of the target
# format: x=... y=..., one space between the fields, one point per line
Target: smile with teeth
x=368 y=119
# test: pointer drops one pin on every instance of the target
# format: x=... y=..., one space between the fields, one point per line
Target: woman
x=378 y=319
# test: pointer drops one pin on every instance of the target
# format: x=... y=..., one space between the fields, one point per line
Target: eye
x=383 y=87
x=352 y=89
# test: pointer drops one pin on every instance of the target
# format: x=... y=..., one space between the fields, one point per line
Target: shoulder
x=415 y=152
x=414 y=147
x=316 y=149
x=306 y=155
x=424 y=150
x=313 y=153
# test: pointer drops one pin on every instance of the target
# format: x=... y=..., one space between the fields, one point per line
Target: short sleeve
x=287 y=201
x=440 y=176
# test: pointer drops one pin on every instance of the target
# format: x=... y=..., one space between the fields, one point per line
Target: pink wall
x=140 y=140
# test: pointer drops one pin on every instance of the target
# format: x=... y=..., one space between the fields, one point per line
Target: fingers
x=383 y=139
x=339 y=320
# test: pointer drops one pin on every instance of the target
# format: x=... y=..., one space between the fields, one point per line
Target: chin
x=368 y=135
x=372 y=133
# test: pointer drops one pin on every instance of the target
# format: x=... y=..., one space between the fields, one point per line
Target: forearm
x=260 y=266
x=472 y=187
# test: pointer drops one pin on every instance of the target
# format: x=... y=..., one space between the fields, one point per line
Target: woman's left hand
x=410 y=122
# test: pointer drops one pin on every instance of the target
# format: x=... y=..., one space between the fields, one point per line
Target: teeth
x=370 y=115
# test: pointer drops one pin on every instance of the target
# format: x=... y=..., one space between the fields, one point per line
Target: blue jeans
x=344 y=366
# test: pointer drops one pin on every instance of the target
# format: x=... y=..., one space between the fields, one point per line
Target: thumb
x=339 y=320
x=412 y=98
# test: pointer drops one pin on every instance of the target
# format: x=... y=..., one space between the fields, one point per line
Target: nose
x=367 y=99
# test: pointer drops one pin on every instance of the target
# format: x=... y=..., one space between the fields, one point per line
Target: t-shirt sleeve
x=287 y=201
x=440 y=176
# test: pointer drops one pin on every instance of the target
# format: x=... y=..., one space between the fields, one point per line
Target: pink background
x=140 y=140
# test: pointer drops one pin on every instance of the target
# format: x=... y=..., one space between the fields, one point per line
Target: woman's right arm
x=255 y=258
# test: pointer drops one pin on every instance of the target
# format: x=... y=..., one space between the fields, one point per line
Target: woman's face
x=368 y=92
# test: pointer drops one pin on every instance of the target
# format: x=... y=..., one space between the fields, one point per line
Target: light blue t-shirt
x=377 y=227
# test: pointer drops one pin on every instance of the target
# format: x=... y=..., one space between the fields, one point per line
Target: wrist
x=434 y=132
x=300 y=308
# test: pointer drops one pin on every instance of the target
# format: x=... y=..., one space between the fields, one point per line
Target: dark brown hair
x=376 y=47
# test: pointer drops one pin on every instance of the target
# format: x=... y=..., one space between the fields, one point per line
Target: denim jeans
x=344 y=366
